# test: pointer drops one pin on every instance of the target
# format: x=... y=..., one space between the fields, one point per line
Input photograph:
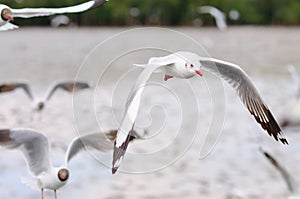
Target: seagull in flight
x=8 y=14
x=185 y=65
x=291 y=112
x=39 y=104
x=35 y=148
x=219 y=16
x=289 y=180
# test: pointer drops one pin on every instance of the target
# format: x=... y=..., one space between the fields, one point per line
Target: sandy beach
x=184 y=119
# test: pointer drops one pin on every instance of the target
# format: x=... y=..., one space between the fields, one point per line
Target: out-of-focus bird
x=219 y=16
x=291 y=112
x=288 y=179
x=8 y=14
x=39 y=104
x=35 y=148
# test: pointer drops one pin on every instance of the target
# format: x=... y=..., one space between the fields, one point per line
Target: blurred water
x=41 y=56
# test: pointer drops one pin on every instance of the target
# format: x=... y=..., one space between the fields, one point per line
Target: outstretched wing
x=131 y=110
x=99 y=141
x=13 y=86
x=8 y=26
x=286 y=176
x=37 y=12
x=68 y=86
x=33 y=145
x=240 y=81
x=217 y=14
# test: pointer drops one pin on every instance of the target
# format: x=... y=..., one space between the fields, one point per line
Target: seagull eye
x=63 y=175
x=192 y=66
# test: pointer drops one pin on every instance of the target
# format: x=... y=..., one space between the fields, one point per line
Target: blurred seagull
x=289 y=180
x=60 y=20
x=8 y=14
x=186 y=65
x=39 y=104
x=219 y=16
x=35 y=148
x=291 y=112
x=296 y=79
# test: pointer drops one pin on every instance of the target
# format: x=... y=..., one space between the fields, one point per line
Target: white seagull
x=35 y=148
x=8 y=14
x=291 y=112
x=289 y=180
x=219 y=16
x=39 y=104
x=186 y=65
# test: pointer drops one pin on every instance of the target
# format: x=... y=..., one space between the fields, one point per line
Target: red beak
x=199 y=72
x=10 y=18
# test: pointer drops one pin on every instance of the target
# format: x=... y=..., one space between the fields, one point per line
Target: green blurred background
x=169 y=12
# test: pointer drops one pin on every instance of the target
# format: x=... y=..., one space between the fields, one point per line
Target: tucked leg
x=168 y=77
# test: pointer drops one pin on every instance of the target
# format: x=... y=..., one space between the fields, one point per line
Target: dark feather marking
x=5 y=135
x=120 y=151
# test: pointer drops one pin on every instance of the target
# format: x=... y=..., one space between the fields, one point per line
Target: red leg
x=55 y=195
x=42 y=193
x=168 y=77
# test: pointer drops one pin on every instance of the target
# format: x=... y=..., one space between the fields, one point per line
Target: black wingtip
x=114 y=170
x=98 y=3
x=284 y=141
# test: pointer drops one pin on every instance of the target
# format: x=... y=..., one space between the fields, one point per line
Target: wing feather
x=130 y=114
x=286 y=176
x=67 y=86
x=38 y=12
x=249 y=95
x=32 y=144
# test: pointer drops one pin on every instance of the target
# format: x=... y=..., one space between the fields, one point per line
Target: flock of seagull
x=182 y=65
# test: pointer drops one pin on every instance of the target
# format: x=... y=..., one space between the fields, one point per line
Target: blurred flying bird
x=291 y=112
x=219 y=16
x=60 y=20
x=8 y=14
x=39 y=104
x=288 y=179
x=185 y=65
x=35 y=148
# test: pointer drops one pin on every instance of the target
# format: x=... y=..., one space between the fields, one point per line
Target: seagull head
x=191 y=62
x=6 y=14
x=194 y=68
x=63 y=174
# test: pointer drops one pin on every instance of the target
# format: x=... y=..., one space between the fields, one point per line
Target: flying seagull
x=291 y=112
x=8 y=14
x=289 y=180
x=219 y=16
x=186 y=65
x=39 y=104
x=35 y=148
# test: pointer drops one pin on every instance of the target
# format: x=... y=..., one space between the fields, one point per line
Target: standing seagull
x=186 y=65
x=39 y=104
x=8 y=14
x=219 y=16
x=35 y=148
x=289 y=180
